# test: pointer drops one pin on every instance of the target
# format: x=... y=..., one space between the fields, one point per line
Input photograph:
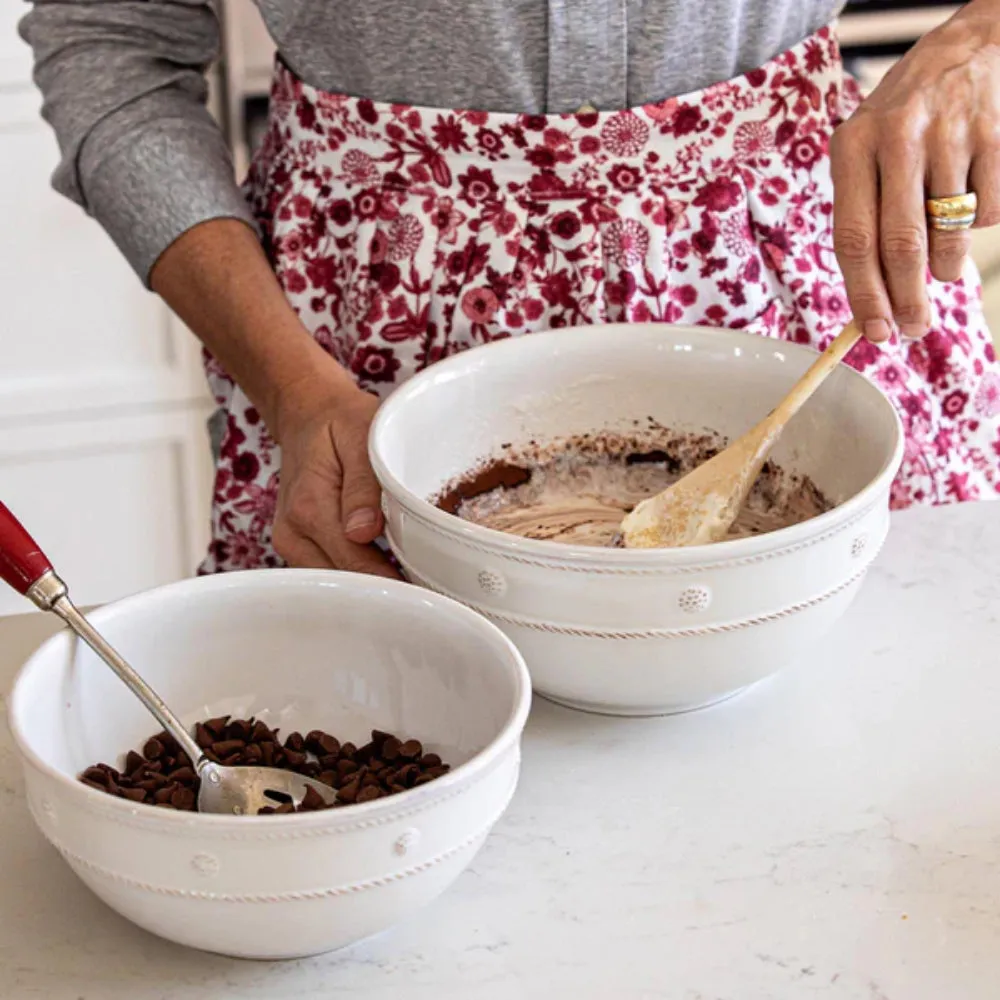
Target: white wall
x=103 y=452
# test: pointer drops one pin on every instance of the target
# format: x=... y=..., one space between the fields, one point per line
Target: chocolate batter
x=578 y=491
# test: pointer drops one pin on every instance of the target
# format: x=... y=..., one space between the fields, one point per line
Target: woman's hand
x=328 y=499
x=930 y=129
x=218 y=280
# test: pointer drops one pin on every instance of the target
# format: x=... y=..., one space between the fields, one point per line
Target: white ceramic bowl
x=301 y=649
x=639 y=632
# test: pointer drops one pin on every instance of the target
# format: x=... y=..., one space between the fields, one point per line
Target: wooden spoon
x=701 y=507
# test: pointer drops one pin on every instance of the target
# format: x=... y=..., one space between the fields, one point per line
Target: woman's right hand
x=329 y=510
x=217 y=279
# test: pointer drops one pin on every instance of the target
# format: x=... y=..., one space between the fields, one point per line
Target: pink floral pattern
x=402 y=235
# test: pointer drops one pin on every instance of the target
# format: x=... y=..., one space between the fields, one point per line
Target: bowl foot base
x=642 y=711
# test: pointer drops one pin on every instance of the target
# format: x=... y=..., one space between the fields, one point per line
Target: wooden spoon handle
x=814 y=378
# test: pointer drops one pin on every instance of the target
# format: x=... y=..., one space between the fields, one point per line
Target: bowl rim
x=503 y=544
x=365 y=813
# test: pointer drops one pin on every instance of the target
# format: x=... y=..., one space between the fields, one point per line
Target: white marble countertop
x=833 y=834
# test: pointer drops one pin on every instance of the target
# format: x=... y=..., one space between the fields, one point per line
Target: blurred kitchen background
x=103 y=448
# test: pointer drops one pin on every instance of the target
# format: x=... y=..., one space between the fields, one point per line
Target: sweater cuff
x=158 y=182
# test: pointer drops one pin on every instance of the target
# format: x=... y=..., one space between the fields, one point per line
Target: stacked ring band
x=954 y=213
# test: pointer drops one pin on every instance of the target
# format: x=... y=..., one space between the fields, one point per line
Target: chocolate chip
x=347 y=751
x=133 y=762
x=295 y=742
x=312 y=799
x=267 y=753
x=346 y=767
x=239 y=729
x=369 y=793
x=223 y=748
x=217 y=727
x=135 y=794
x=312 y=741
x=153 y=749
x=183 y=775
x=294 y=758
x=203 y=736
x=407 y=775
x=411 y=749
x=165 y=793
x=183 y=798
x=328 y=778
x=96 y=776
x=390 y=748
x=350 y=791
x=430 y=760
x=252 y=754
x=260 y=733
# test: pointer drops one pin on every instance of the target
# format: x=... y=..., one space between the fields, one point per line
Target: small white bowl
x=301 y=649
x=632 y=632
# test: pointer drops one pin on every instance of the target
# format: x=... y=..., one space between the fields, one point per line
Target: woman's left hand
x=930 y=129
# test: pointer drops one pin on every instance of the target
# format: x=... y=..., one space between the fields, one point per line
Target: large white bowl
x=301 y=649
x=639 y=632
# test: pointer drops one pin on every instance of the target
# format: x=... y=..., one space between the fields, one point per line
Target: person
x=439 y=175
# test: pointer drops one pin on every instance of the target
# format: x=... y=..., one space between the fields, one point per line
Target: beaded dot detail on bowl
x=858 y=546
x=205 y=864
x=406 y=841
x=694 y=599
x=491 y=582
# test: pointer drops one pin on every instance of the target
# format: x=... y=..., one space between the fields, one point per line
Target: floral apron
x=402 y=235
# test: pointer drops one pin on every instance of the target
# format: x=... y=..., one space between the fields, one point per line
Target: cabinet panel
x=119 y=505
x=62 y=271
x=15 y=56
x=80 y=331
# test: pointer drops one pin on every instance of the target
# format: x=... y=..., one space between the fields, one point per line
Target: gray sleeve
x=124 y=88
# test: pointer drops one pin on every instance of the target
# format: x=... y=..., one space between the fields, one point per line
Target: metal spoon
x=240 y=791
x=701 y=507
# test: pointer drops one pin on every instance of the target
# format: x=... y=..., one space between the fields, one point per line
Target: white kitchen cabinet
x=118 y=502
x=15 y=60
x=103 y=447
x=80 y=331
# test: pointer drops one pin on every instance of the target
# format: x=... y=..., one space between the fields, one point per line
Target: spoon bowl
x=700 y=508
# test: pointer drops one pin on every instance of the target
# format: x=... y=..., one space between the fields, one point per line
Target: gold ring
x=954 y=213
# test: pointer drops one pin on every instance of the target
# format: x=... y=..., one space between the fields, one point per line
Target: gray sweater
x=124 y=87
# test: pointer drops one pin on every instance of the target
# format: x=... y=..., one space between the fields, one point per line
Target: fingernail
x=878 y=330
x=914 y=331
x=359 y=520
